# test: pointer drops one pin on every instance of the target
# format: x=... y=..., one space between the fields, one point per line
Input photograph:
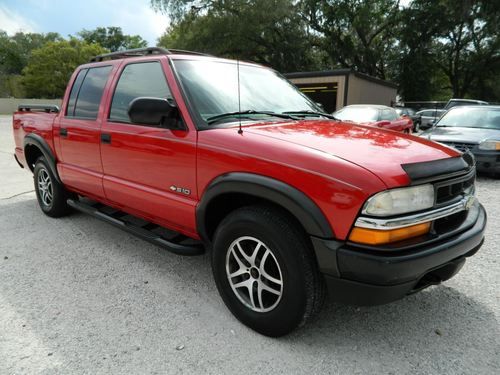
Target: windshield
x=357 y=114
x=472 y=118
x=212 y=88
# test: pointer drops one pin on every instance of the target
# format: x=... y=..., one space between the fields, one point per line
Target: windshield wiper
x=216 y=118
x=311 y=113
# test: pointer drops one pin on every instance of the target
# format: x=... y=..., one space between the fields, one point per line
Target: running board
x=172 y=241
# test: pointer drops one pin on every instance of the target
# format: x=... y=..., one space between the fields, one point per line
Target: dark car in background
x=472 y=128
x=410 y=113
x=379 y=116
x=429 y=116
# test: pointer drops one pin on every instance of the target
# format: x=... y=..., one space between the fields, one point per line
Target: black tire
x=416 y=127
x=53 y=205
x=303 y=288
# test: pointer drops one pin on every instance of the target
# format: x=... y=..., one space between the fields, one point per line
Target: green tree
x=270 y=32
x=51 y=66
x=356 y=34
x=15 y=52
x=112 y=38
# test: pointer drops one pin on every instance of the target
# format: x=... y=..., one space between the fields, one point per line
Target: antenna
x=240 y=130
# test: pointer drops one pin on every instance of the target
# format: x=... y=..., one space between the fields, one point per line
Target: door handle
x=63 y=132
x=105 y=138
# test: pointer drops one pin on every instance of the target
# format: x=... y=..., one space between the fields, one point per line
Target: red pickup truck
x=196 y=153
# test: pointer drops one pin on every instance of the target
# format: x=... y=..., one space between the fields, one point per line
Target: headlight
x=490 y=145
x=399 y=201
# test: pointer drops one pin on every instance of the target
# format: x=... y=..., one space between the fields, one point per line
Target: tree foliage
x=270 y=32
x=432 y=48
x=51 y=66
x=112 y=38
x=356 y=34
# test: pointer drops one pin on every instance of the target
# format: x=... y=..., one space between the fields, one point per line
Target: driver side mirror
x=155 y=112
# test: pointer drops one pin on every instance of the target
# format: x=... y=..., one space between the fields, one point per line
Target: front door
x=148 y=170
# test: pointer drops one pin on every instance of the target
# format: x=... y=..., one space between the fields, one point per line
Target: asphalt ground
x=78 y=296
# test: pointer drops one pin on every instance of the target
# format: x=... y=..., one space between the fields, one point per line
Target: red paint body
x=337 y=165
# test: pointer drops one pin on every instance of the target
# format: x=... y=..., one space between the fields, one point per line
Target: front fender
x=280 y=193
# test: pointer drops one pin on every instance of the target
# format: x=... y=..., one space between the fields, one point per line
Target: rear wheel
x=265 y=270
x=50 y=194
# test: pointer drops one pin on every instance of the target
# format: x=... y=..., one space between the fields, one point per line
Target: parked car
x=475 y=129
x=288 y=200
x=379 y=116
x=428 y=117
x=460 y=102
x=411 y=113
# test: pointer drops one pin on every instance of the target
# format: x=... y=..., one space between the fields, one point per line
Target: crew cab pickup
x=195 y=153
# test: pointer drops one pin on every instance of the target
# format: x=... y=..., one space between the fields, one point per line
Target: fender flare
x=37 y=141
x=280 y=193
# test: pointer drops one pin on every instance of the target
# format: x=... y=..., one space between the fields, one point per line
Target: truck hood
x=461 y=135
x=380 y=151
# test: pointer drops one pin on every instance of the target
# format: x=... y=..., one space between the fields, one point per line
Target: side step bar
x=155 y=234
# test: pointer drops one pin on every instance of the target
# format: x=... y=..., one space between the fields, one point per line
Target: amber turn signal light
x=380 y=237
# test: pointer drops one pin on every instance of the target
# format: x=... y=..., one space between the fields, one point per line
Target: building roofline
x=340 y=72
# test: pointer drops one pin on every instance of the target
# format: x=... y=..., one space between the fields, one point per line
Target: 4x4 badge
x=180 y=190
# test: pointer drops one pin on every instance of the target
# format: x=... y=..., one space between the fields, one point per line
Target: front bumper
x=364 y=276
x=487 y=161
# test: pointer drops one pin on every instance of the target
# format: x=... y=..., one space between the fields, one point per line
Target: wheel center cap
x=254 y=272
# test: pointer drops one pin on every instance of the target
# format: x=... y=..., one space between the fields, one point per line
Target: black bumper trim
x=366 y=278
x=18 y=162
x=394 y=269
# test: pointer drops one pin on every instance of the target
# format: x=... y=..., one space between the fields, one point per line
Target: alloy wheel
x=254 y=274
x=45 y=187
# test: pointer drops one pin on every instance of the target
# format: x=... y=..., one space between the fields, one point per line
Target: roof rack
x=142 y=52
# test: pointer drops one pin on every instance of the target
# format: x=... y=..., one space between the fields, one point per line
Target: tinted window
x=357 y=114
x=89 y=97
x=389 y=115
x=70 y=109
x=136 y=80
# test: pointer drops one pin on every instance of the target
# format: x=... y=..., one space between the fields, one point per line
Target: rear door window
x=88 y=97
x=70 y=109
x=137 y=80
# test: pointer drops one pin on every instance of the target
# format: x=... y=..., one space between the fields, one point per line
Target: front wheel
x=265 y=270
x=50 y=194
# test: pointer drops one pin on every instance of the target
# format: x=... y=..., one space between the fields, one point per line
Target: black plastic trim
x=18 y=162
x=37 y=141
x=280 y=193
x=141 y=232
x=436 y=169
x=39 y=107
x=391 y=269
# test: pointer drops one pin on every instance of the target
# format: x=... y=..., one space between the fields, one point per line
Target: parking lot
x=79 y=296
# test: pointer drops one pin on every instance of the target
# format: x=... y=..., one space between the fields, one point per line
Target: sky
x=68 y=17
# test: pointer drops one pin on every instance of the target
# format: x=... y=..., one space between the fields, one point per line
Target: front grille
x=463 y=147
x=448 y=191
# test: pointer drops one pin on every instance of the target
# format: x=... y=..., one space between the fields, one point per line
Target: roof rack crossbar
x=141 y=52
x=131 y=53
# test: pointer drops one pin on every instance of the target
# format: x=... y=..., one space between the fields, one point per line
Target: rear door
x=78 y=129
x=149 y=171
